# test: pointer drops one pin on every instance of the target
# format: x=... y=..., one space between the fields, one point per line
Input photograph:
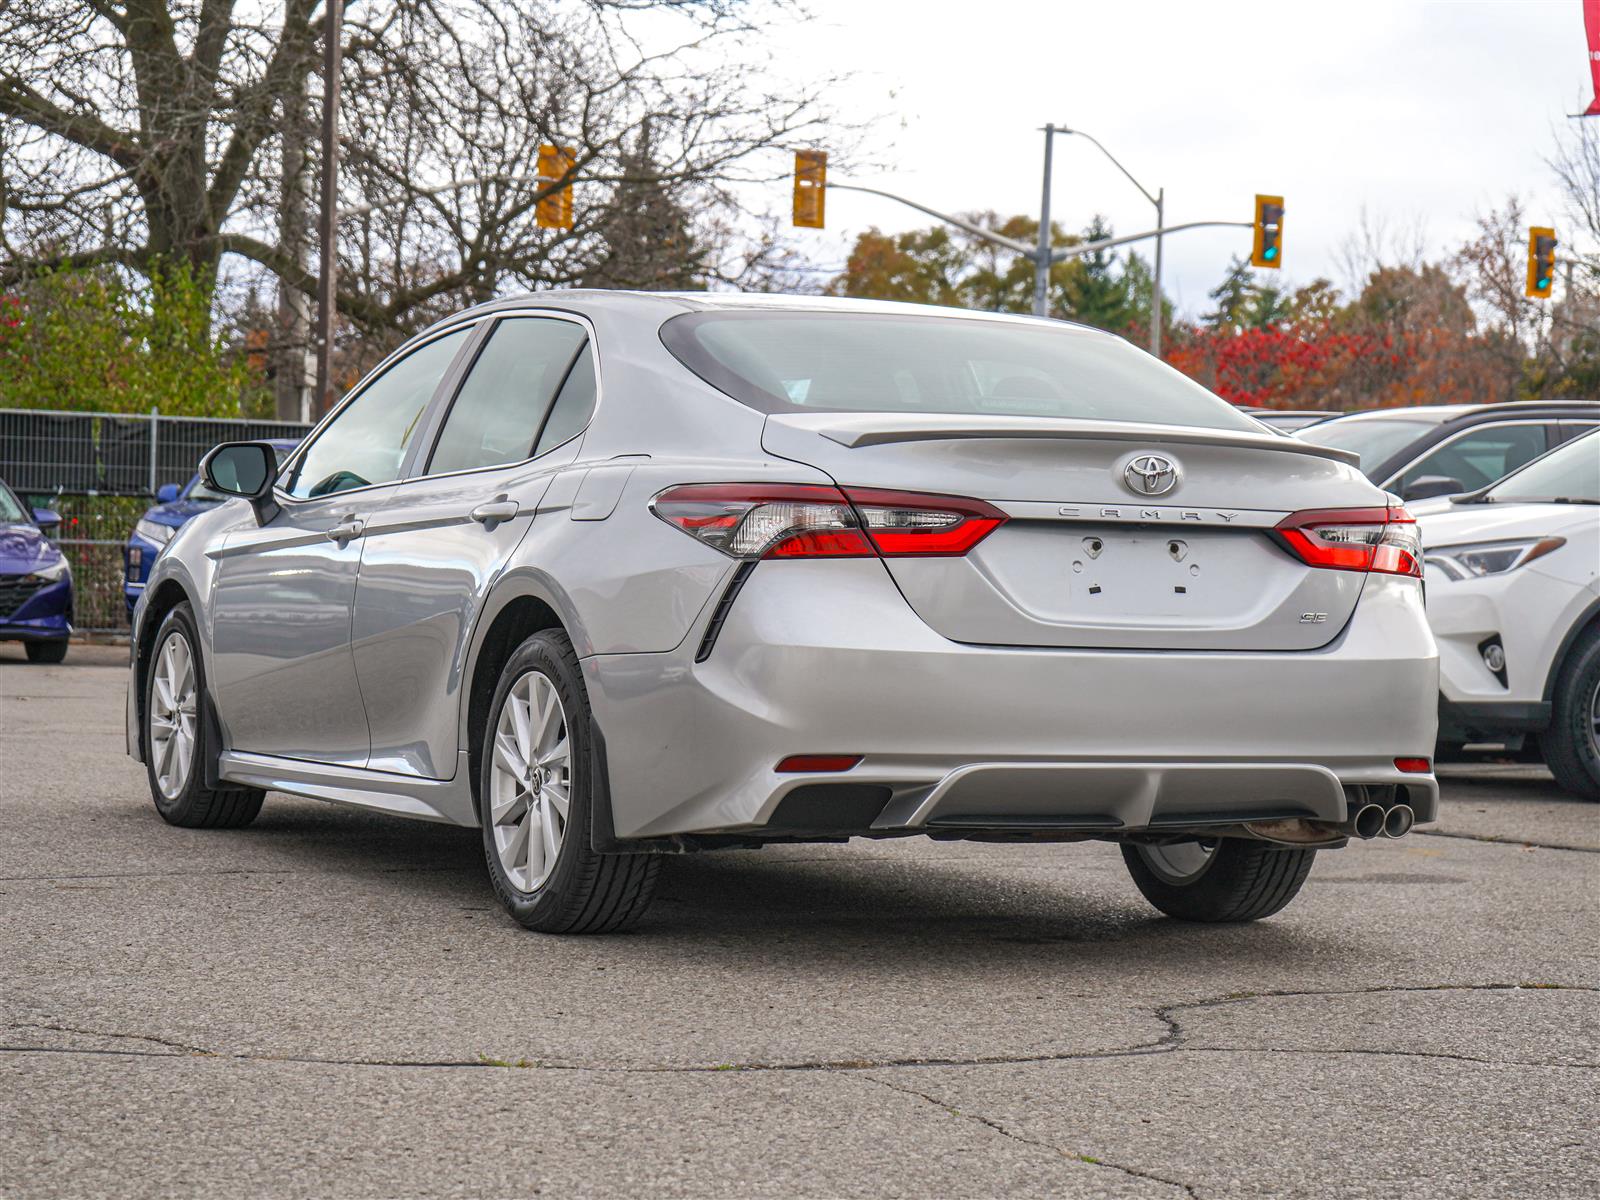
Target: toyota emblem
x=1151 y=475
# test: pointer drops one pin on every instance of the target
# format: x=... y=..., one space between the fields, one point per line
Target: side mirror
x=166 y=493
x=46 y=518
x=1433 y=485
x=244 y=469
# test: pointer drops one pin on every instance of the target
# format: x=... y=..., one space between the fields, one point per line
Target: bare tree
x=151 y=129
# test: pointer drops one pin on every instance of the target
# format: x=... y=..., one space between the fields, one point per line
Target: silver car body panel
x=1158 y=717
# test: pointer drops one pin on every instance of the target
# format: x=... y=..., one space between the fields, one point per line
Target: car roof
x=670 y=304
x=1440 y=413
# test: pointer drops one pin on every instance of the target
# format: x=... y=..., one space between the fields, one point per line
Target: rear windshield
x=871 y=362
x=1375 y=439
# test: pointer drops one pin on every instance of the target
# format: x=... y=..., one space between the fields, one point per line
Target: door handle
x=346 y=530
x=493 y=513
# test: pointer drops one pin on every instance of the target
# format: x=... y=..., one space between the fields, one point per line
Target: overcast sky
x=1422 y=113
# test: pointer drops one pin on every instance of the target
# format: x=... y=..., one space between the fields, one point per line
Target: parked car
x=617 y=574
x=1287 y=420
x=35 y=581
x=161 y=520
x=1513 y=575
x=1446 y=449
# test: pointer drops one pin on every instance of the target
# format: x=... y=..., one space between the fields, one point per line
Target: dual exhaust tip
x=1373 y=820
x=1370 y=821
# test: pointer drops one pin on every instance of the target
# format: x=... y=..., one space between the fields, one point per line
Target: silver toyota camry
x=616 y=575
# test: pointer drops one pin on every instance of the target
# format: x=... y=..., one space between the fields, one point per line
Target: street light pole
x=327 y=280
x=1041 y=258
x=1156 y=303
x=1160 y=202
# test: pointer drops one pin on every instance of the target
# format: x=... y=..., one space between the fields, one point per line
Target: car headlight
x=1490 y=558
x=53 y=573
x=153 y=531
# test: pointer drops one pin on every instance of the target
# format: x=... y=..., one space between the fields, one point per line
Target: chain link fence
x=100 y=471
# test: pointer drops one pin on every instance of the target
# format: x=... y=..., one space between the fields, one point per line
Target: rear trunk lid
x=1089 y=558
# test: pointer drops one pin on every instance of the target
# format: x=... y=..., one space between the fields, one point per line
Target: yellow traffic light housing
x=555 y=210
x=810 y=186
x=1267 y=251
x=1541 y=261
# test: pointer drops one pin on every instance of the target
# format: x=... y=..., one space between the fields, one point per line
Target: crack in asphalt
x=1171 y=1041
x=997 y=1127
x=1491 y=839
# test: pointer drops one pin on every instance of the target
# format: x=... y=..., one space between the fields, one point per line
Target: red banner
x=1591 y=22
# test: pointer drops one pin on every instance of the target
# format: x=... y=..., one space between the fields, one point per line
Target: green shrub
x=97 y=341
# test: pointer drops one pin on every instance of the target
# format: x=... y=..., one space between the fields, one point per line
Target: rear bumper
x=827 y=658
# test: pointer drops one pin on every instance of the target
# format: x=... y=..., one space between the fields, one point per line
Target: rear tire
x=46 y=652
x=538 y=756
x=176 y=743
x=1572 y=743
x=1237 y=880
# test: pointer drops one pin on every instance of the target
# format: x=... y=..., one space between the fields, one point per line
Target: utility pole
x=327 y=282
x=1041 y=257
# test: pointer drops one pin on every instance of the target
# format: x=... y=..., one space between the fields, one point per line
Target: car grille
x=14 y=592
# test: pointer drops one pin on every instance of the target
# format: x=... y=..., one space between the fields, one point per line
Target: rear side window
x=874 y=362
x=497 y=413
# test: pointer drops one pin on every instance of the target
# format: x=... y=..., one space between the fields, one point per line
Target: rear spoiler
x=853 y=429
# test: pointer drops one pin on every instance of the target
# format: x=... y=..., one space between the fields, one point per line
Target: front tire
x=1220 y=880
x=46 y=652
x=176 y=744
x=536 y=796
x=1572 y=743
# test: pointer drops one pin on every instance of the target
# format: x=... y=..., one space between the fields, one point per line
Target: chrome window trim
x=1394 y=479
x=286 y=498
x=436 y=428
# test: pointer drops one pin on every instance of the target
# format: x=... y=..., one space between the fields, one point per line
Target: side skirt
x=446 y=800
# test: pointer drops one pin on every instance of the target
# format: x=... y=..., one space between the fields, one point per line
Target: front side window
x=366 y=443
x=1478 y=458
x=877 y=362
x=497 y=413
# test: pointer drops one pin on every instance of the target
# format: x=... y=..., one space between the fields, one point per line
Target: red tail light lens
x=1413 y=766
x=1382 y=540
x=805 y=521
x=750 y=520
x=907 y=523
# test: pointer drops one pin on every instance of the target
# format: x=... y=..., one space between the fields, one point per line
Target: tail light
x=805 y=521
x=1382 y=540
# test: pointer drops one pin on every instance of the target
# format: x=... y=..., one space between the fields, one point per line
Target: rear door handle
x=493 y=513
x=346 y=530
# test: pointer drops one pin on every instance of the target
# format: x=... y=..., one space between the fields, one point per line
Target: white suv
x=1513 y=579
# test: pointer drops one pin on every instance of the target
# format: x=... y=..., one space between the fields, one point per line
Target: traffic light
x=1268 y=248
x=810 y=183
x=1541 y=261
x=555 y=210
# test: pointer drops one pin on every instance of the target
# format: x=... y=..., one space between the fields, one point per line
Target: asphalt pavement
x=329 y=1003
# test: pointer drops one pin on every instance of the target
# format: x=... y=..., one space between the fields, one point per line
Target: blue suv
x=172 y=509
x=35 y=581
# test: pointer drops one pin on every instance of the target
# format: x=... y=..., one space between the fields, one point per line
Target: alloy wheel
x=1179 y=862
x=1594 y=720
x=172 y=715
x=530 y=788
